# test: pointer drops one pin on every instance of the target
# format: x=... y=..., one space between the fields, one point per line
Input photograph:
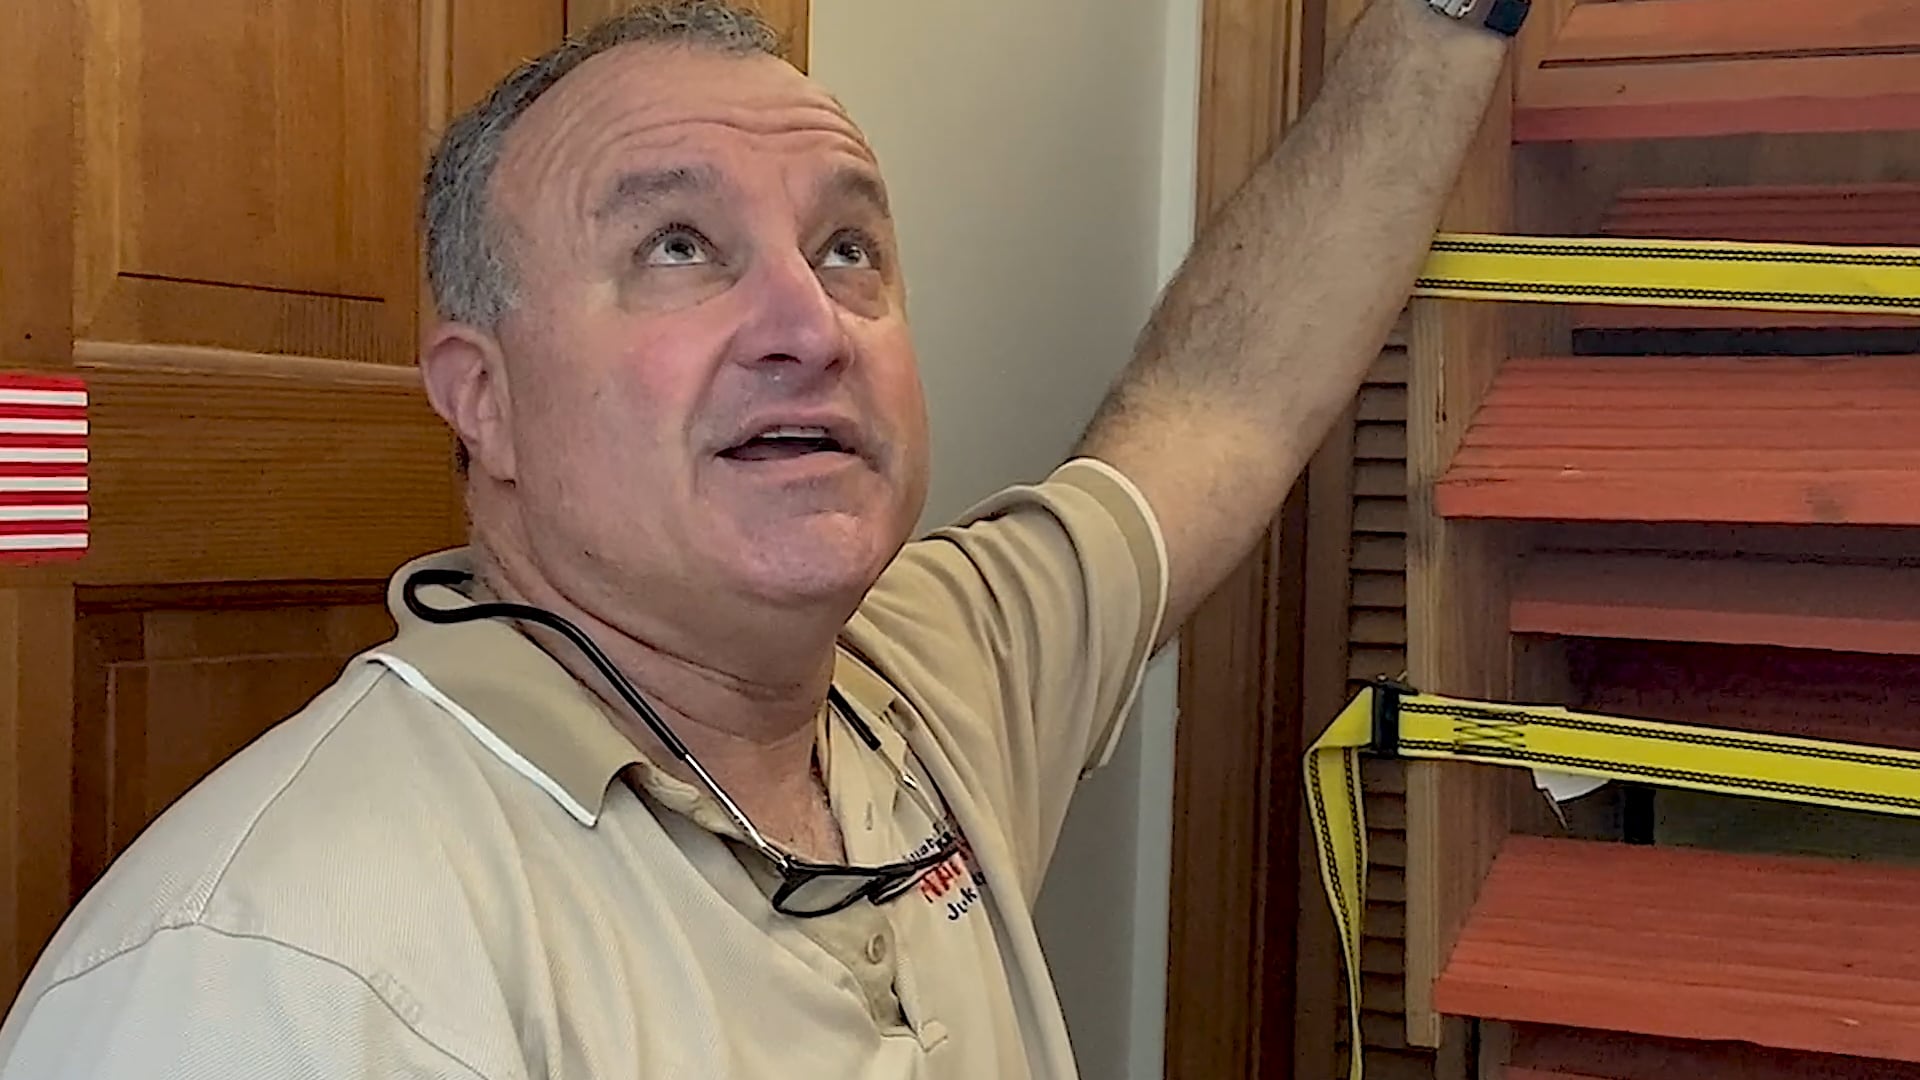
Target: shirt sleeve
x=1022 y=633
x=195 y=1003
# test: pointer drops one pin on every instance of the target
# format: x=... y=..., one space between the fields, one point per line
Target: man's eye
x=849 y=251
x=676 y=247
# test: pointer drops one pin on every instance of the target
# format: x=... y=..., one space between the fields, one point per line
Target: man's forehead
x=669 y=111
x=834 y=179
x=644 y=95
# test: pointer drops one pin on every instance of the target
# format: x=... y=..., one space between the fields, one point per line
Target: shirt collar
x=530 y=712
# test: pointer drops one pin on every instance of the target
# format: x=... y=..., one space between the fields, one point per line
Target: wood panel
x=212 y=467
x=1796 y=953
x=1801 y=605
x=1782 y=440
x=1872 y=213
x=793 y=19
x=1551 y=1053
x=36 y=754
x=175 y=681
x=247 y=176
x=1573 y=186
x=480 y=43
x=1598 y=70
x=1827 y=543
x=38 y=45
x=1697 y=30
x=38 y=49
x=211 y=187
x=1844 y=697
x=1236 y=881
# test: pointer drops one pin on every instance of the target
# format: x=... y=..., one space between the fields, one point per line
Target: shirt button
x=876 y=948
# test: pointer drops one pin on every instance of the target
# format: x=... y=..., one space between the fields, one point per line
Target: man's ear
x=466 y=380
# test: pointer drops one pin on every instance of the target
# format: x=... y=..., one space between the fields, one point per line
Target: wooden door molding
x=36 y=759
x=1234 y=892
x=267 y=455
x=37 y=50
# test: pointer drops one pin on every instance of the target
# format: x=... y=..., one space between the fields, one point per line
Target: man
x=690 y=766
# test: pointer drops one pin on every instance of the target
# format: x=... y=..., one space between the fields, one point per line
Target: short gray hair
x=467 y=261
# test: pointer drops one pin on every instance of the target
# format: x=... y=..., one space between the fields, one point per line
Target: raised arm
x=1264 y=335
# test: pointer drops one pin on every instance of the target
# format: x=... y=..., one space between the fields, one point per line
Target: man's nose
x=795 y=322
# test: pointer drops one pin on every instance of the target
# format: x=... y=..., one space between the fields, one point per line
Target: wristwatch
x=1499 y=16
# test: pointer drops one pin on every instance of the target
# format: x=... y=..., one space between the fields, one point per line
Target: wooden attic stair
x=1775 y=440
x=1600 y=69
x=1721 y=953
x=1548 y=1053
x=1612 y=961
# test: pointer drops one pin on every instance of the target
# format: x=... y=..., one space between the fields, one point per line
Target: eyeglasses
x=807 y=889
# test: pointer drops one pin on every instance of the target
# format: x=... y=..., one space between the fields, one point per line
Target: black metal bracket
x=1386 y=716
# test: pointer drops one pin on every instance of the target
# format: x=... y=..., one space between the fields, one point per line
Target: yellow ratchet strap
x=1394 y=721
x=1672 y=273
x=1390 y=720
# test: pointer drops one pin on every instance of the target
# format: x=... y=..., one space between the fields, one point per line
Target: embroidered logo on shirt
x=955 y=883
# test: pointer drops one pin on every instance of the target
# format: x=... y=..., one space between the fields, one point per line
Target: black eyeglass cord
x=877 y=882
x=452 y=579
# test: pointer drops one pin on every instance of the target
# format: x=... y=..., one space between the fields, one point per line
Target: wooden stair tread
x=1539 y=1053
x=1773 y=440
x=1731 y=601
x=1718 y=67
x=1796 y=953
x=1873 y=214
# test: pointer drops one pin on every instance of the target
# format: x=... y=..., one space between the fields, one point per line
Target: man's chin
x=824 y=567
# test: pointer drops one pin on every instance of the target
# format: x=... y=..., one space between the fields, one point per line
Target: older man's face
x=713 y=390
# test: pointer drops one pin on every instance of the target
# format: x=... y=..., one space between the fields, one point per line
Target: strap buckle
x=1386 y=715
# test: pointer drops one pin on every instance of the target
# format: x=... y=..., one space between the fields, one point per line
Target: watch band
x=1500 y=16
x=1507 y=16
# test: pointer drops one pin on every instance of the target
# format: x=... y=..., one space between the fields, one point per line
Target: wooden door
x=207 y=215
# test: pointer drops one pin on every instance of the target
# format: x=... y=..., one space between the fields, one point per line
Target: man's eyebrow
x=642 y=189
x=854 y=184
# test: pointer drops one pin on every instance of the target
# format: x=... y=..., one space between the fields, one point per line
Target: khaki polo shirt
x=452 y=864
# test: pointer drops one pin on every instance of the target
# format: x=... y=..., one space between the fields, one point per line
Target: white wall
x=1039 y=156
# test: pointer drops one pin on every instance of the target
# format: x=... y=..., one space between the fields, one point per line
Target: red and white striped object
x=43 y=467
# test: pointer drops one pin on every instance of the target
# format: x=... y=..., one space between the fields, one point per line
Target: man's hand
x=1264 y=335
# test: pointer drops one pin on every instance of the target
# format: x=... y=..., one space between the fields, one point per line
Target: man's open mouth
x=786 y=442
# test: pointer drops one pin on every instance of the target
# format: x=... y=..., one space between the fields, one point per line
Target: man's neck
x=754 y=735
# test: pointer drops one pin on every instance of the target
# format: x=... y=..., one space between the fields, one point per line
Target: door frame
x=1253 y=980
